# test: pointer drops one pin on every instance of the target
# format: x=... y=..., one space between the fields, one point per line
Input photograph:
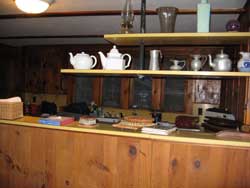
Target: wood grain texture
x=160 y=164
x=212 y=38
x=244 y=18
x=247 y=103
x=203 y=166
x=115 y=12
x=36 y=157
x=156 y=93
x=159 y=73
x=97 y=90
x=124 y=99
x=11 y=72
x=188 y=96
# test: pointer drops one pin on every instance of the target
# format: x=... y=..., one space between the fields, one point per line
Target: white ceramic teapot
x=82 y=61
x=114 y=60
x=243 y=64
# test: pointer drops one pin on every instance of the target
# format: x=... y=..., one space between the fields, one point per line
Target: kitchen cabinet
x=54 y=157
x=189 y=165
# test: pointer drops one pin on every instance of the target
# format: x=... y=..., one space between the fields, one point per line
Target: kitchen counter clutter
x=107 y=129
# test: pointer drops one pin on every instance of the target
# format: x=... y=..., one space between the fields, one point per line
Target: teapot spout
x=103 y=59
x=210 y=61
x=71 y=58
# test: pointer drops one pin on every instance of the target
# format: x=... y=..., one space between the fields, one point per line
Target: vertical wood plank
x=160 y=165
x=97 y=90
x=156 y=93
x=70 y=89
x=188 y=96
x=125 y=91
x=247 y=86
x=4 y=156
x=206 y=166
x=247 y=103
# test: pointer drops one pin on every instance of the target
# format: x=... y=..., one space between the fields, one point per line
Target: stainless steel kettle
x=221 y=62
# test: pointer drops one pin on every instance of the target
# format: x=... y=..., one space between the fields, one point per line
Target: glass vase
x=167 y=16
x=127 y=17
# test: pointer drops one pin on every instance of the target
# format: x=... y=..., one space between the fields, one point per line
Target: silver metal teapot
x=221 y=62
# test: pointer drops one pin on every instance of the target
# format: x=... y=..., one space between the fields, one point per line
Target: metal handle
x=95 y=61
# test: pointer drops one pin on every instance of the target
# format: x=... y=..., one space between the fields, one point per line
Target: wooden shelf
x=222 y=38
x=160 y=73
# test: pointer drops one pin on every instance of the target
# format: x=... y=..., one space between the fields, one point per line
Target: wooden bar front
x=50 y=158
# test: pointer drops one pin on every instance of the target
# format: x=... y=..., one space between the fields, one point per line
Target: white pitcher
x=243 y=64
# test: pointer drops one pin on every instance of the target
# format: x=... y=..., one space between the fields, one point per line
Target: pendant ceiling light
x=33 y=6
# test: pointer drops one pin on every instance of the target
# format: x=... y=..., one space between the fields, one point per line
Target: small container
x=11 y=110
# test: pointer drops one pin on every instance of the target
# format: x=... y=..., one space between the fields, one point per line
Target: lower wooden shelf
x=158 y=73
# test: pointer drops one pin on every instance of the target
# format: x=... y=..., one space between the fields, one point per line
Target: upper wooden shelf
x=222 y=38
x=160 y=73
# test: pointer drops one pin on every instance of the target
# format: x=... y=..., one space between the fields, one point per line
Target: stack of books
x=160 y=130
x=56 y=120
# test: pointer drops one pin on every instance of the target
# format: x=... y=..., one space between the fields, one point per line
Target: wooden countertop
x=106 y=129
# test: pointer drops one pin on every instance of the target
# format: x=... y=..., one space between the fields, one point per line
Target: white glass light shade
x=33 y=6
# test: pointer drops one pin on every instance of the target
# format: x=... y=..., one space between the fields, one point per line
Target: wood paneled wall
x=11 y=72
x=39 y=68
x=235 y=92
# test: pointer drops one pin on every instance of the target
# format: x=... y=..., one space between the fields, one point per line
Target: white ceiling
x=99 y=25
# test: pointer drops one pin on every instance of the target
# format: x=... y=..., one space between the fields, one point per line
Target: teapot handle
x=95 y=61
x=204 y=59
x=129 y=60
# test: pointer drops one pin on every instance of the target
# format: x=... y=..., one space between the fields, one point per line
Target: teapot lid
x=81 y=54
x=222 y=55
x=114 y=52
